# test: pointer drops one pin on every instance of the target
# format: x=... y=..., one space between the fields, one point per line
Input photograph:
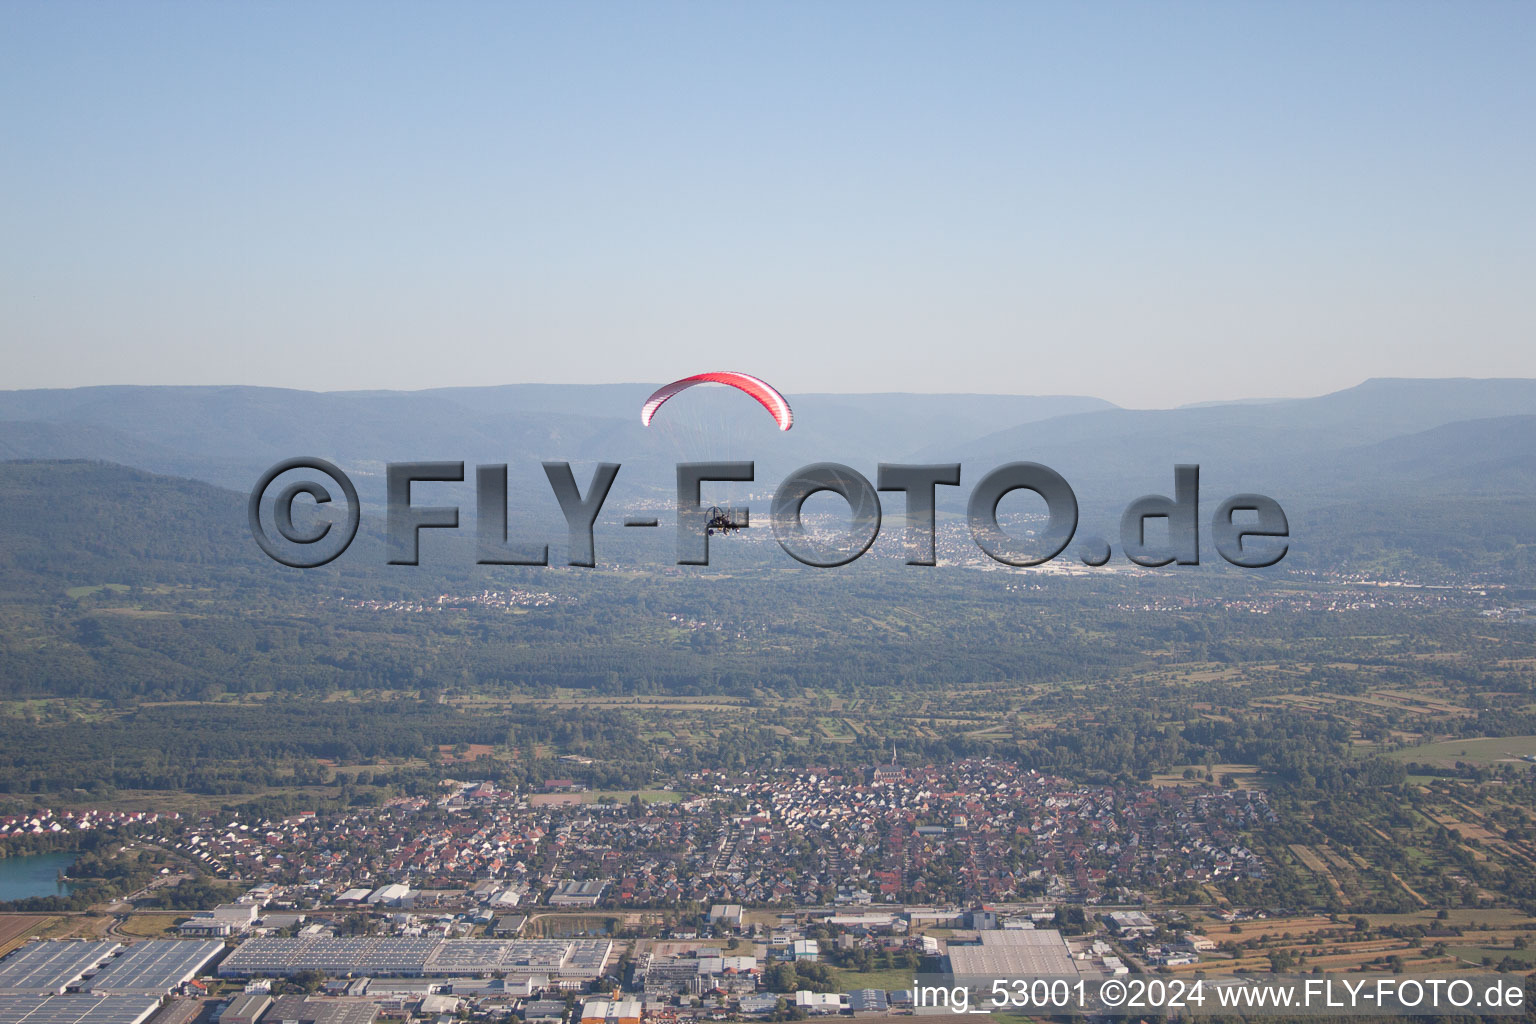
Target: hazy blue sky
x=1155 y=203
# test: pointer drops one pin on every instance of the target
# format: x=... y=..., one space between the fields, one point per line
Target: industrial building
x=295 y=1009
x=1021 y=953
x=868 y=1000
x=509 y=926
x=33 y=978
x=562 y=960
x=821 y=1002
x=614 y=1011
x=223 y=920
x=280 y=957
x=150 y=968
x=725 y=915
x=153 y=968
x=51 y=966
x=544 y=1011
x=76 y=1009
x=245 y=1008
x=579 y=894
x=392 y=895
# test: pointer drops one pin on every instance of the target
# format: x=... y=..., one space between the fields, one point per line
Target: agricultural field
x=150 y=926
x=888 y=980
x=1478 y=751
x=623 y=796
x=1419 y=943
x=17 y=928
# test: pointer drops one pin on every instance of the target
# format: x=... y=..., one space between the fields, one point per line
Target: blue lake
x=34 y=875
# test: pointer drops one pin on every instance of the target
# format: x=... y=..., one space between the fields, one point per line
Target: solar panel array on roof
x=588 y=957
x=520 y=958
x=544 y=956
x=155 y=967
x=279 y=957
x=77 y=1009
x=47 y=967
x=470 y=957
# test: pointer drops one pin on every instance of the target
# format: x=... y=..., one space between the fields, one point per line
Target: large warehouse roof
x=1009 y=954
x=46 y=967
x=155 y=967
x=570 y=958
x=77 y=1009
x=280 y=956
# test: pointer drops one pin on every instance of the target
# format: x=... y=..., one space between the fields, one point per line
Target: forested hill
x=78 y=523
x=115 y=583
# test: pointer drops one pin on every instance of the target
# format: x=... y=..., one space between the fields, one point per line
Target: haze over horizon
x=424 y=389
x=1156 y=205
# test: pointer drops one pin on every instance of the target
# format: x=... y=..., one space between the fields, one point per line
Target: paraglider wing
x=761 y=390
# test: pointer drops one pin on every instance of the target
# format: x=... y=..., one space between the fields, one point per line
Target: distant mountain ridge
x=227 y=435
x=1338 y=446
